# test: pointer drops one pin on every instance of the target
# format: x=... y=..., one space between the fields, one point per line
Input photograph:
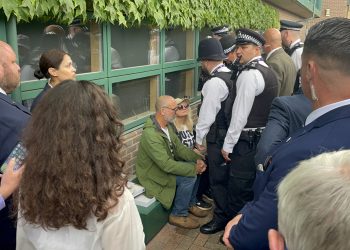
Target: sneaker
x=201 y=204
x=183 y=221
x=208 y=196
x=198 y=212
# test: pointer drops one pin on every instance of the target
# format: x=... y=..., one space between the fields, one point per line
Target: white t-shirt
x=122 y=230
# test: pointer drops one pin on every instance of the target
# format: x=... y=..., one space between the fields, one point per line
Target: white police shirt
x=296 y=56
x=214 y=92
x=250 y=83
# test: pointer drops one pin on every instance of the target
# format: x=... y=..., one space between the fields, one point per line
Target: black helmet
x=210 y=49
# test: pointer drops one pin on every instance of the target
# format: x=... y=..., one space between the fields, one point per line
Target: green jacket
x=157 y=167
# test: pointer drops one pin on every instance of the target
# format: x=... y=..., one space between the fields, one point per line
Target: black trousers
x=204 y=185
x=7 y=228
x=231 y=183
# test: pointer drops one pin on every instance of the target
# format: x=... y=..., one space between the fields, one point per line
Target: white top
x=325 y=109
x=2 y=91
x=166 y=131
x=214 y=92
x=250 y=83
x=296 y=56
x=122 y=230
x=271 y=52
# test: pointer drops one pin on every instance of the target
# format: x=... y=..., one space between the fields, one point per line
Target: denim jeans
x=185 y=196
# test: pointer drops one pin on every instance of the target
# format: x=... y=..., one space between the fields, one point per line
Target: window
x=81 y=41
x=135 y=98
x=204 y=33
x=134 y=47
x=179 y=83
x=179 y=45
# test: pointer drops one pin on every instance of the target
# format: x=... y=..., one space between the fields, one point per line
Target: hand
x=228 y=228
x=225 y=155
x=201 y=148
x=199 y=153
x=10 y=179
x=200 y=166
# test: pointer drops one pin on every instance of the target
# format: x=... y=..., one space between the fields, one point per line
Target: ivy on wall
x=188 y=14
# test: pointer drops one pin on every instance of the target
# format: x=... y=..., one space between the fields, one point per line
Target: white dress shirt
x=271 y=52
x=250 y=83
x=296 y=56
x=325 y=109
x=214 y=92
x=2 y=91
x=122 y=229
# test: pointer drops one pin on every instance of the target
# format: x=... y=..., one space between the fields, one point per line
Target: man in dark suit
x=287 y=114
x=13 y=118
x=325 y=81
x=280 y=62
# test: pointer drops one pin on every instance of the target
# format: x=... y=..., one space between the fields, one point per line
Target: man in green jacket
x=168 y=169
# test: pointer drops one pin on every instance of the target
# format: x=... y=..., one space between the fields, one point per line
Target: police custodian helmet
x=210 y=49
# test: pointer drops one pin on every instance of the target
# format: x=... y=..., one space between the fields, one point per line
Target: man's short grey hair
x=162 y=101
x=314 y=203
x=328 y=40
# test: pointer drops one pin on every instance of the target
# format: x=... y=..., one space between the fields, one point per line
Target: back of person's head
x=328 y=41
x=314 y=203
x=49 y=59
x=73 y=167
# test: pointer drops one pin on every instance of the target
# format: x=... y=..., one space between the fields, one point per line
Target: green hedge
x=188 y=14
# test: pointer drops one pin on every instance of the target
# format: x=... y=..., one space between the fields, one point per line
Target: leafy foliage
x=188 y=14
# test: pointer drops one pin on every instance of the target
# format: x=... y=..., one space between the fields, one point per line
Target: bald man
x=13 y=118
x=168 y=169
x=280 y=62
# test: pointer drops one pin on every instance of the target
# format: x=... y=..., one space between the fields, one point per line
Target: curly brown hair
x=73 y=168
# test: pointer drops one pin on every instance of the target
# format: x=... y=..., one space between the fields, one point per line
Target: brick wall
x=337 y=8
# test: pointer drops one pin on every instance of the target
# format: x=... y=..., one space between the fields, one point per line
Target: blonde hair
x=314 y=202
x=188 y=122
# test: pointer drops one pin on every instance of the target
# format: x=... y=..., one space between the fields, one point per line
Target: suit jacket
x=38 y=98
x=285 y=71
x=287 y=114
x=13 y=118
x=327 y=133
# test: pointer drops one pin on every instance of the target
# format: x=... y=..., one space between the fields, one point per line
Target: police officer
x=256 y=87
x=292 y=44
x=220 y=31
x=228 y=43
x=212 y=125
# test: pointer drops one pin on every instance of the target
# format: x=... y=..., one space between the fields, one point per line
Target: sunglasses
x=181 y=107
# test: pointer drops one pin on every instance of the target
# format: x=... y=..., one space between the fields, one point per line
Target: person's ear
x=52 y=71
x=276 y=241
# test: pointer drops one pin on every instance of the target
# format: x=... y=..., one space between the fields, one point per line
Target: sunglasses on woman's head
x=181 y=107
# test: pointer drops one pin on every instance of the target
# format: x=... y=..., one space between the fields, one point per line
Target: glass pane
x=82 y=41
x=134 y=47
x=180 y=83
x=135 y=98
x=204 y=33
x=179 y=45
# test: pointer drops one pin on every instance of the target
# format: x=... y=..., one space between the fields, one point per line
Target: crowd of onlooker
x=269 y=152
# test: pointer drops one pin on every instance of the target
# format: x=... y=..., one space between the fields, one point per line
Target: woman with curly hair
x=72 y=194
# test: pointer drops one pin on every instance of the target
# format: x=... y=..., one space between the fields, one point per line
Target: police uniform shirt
x=250 y=83
x=296 y=56
x=214 y=92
